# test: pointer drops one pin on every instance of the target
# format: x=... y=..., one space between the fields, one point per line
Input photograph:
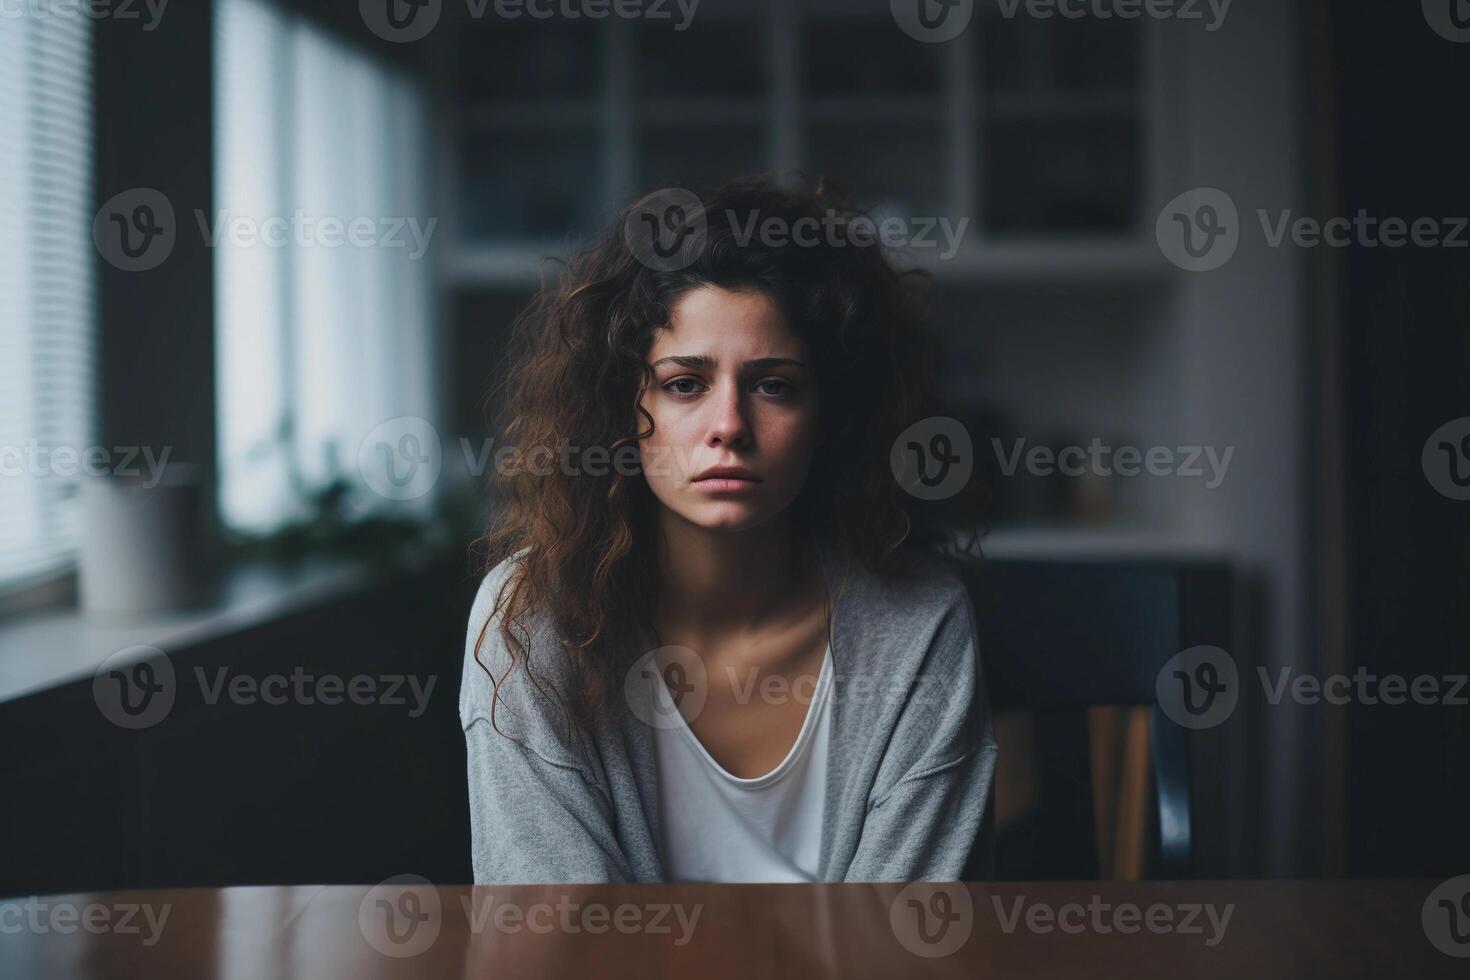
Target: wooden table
x=408 y=928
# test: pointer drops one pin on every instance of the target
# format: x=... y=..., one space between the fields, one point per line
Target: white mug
x=142 y=542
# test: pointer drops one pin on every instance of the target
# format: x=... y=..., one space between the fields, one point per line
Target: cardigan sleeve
x=926 y=826
x=539 y=814
x=534 y=821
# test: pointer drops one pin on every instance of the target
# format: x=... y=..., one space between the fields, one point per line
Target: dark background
x=1327 y=369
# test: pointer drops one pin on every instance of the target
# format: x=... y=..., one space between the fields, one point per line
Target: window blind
x=47 y=287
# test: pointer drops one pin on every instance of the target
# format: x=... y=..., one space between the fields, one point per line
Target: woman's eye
x=775 y=386
x=683 y=386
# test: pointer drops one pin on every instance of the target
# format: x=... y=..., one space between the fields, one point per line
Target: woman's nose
x=728 y=426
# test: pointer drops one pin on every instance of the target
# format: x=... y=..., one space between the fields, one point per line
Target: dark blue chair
x=1059 y=637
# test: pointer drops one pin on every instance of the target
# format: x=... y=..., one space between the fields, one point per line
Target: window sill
x=43 y=650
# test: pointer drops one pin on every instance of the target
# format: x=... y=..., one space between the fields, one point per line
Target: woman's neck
x=730 y=582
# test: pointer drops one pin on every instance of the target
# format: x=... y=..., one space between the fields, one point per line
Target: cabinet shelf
x=1045 y=151
x=1062 y=261
x=1041 y=542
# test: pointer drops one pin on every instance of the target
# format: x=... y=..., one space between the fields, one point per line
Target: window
x=323 y=331
x=47 y=288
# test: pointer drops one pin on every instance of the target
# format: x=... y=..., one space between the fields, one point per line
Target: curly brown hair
x=575 y=374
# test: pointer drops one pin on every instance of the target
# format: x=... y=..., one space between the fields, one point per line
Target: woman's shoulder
x=909 y=661
x=908 y=623
x=487 y=611
x=917 y=590
x=493 y=591
x=529 y=677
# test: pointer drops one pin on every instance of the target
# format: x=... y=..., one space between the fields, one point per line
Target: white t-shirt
x=719 y=827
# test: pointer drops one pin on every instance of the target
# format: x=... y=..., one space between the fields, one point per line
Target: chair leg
x=1131 y=834
x=1102 y=743
x=1119 y=749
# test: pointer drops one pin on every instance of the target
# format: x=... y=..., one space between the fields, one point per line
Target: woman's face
x=734 y=410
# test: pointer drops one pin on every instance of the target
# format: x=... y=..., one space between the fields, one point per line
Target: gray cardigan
x=910 y=771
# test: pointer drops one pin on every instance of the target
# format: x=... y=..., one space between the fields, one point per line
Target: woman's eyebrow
x=706 y=362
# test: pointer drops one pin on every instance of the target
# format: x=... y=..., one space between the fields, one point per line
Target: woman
x=716 y=641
